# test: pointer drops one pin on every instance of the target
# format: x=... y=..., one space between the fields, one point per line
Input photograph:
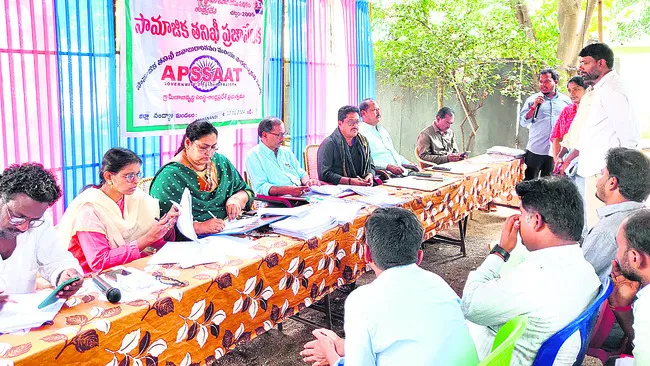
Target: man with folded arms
x=406 y=316
x=552 y=286
x=382 y=150
x=623 y=185
x=28 y=242
x=630 y=299
x=344 y=156
x=272 y=168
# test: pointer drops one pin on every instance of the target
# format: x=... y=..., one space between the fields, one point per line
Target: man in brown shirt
x=437 y=143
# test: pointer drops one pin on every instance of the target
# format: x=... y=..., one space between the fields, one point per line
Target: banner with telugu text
x=189 y=60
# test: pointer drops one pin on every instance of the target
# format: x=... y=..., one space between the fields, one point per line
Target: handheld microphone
x=112 y=294
x=539 y=106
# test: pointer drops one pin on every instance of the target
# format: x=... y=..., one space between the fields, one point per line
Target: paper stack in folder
x=312 y=224
x=22 y=312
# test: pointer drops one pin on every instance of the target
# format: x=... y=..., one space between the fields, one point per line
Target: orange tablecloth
x=224 y=304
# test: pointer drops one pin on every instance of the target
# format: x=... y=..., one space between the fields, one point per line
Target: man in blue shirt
x=406 y=316
x=272 y=168
x=540 y=123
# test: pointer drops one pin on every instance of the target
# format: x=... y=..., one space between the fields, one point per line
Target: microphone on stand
x=112 y=294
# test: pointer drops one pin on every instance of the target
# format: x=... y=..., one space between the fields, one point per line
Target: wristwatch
x=504 y=253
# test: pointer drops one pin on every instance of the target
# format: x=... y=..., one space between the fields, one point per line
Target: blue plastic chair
x=549 y=349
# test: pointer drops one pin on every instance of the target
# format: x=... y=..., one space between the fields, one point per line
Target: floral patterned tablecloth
x=221 y=305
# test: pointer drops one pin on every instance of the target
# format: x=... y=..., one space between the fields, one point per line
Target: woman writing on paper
x=217 y=189
x=111 y=224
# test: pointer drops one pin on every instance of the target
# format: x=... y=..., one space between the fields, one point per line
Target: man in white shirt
x=28 y=242
x=406 y=316
x=630 y=299
x=609 y=123
x=552 y=286
x=382 y=150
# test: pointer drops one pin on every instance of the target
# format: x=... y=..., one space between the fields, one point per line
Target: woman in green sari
x=218 y=190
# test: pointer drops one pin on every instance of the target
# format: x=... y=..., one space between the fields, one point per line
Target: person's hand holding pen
x=211 y=226
x=358 y=181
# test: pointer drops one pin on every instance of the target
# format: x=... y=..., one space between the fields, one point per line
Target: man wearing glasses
x=344 y=156
x=273 y=169
x=27 y=241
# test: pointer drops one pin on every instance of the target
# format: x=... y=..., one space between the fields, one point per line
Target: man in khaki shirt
x=437 y=143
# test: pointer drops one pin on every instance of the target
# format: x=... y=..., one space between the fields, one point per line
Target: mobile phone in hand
x=51 y=298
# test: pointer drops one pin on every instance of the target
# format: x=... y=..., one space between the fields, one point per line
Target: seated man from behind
x=552 y=286
x=630 y=299
x=406 y=316
x=437 y=143
x=623 y=186
x=28 y=244
x=344 y=156
x=272 y=168
x=383 y=153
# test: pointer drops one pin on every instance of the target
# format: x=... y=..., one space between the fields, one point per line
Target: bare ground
x=282 y=347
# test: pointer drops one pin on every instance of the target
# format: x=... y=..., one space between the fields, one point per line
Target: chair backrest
x=311 y=160
x=504 y=342
x=549 y=349
x=423 y=163
x=247 y=180
x=145 y=183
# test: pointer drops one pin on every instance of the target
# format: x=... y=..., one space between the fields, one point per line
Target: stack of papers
x=211 y=249
x=328 y=190
x=464 y=167
x=284 y=211
x=382 y=200
x=413 y=182
x=502 y=150
x=343 y=188
x=314 y=223
x=342 y=211
x=491 y=159
x=22 y=312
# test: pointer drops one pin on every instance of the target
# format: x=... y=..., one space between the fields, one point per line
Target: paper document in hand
x=185 y=221
x=22 y=312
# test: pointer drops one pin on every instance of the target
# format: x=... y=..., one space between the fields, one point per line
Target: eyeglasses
x=131 y=177
x=352 y=122
x=169 y=281
x=17 y=220
x=280 y=135
x=207 y=149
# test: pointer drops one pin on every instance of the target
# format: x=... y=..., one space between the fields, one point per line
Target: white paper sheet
x=185 y=222
x=22 y=312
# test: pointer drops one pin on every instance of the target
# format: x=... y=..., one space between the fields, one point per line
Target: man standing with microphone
x=539 y=114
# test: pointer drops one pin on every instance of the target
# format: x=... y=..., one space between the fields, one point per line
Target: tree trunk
x=521 y=12
x=569 y=19
x=440 y=93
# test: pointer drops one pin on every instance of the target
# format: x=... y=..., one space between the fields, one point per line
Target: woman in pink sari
x=113 y=223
